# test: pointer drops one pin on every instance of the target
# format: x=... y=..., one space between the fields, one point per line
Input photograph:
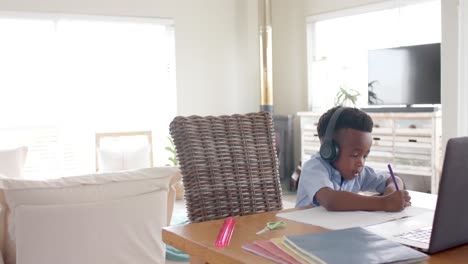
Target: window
x=64 y=78
x=338 y=44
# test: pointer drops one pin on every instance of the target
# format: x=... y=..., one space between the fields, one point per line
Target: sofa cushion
x=117 y=231
x=79 y=189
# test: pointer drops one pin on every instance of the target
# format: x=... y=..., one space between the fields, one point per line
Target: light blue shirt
x=317 y=173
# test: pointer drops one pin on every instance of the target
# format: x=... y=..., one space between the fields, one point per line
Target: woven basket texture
x=229 y=164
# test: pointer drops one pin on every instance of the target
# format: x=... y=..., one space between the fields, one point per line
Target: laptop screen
x=450 y=226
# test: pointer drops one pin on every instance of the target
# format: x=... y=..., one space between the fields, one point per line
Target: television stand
x=394 y=109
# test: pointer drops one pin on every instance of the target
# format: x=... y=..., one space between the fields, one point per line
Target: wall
x=289 y=62
x=217 y=54
x=217 y=57
x=159 y=8
x=463 y=68
x=314 y=7
x=289 y=56
x=450 y=91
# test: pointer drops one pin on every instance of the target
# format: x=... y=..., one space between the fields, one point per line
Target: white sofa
x=98 y=218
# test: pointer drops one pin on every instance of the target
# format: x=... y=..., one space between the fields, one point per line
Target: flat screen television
x=405 y=75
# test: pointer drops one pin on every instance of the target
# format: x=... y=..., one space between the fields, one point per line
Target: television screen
x=404 y=75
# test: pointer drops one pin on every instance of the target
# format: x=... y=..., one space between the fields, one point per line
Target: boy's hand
x=396 y=201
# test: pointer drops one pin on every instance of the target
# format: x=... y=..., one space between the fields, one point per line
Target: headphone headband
x=329 y=150
x=332 y=123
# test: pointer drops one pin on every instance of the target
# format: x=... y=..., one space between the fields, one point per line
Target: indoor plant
x=346 y=97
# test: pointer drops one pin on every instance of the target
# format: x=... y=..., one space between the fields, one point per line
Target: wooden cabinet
x=411 y=142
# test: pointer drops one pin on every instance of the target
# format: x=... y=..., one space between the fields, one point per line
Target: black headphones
x=329 y=149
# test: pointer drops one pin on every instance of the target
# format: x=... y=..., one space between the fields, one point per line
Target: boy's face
x=354 y=147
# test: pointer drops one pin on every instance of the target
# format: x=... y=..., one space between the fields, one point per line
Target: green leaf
x=171 y=149
x=170 y=140
x=346 y=95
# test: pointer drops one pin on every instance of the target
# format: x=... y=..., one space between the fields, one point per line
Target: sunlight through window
x=65 y=77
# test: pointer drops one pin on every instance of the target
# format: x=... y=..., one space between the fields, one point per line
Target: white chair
x=123 y=151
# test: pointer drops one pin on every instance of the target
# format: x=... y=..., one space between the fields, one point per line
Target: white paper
x=319 y=216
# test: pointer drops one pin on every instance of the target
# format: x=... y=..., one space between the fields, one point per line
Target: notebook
x=449 y=222
x=258 y=250
x=275 y=251
x=278 y=241
x=353 y=246
x=272 y=248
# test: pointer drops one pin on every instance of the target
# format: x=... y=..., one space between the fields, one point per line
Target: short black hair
x=350 y=117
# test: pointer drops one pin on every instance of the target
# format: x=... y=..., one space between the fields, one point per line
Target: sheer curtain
x=64 y=78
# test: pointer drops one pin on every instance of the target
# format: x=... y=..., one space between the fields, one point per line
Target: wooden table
x=197 y=239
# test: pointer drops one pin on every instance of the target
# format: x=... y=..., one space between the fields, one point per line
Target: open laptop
x=447 y=227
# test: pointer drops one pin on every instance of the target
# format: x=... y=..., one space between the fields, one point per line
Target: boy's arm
x=347 y=201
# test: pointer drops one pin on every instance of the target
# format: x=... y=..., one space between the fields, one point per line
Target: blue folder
x=353 y=245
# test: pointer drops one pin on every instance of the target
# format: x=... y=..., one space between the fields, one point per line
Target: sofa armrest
x=171 y=195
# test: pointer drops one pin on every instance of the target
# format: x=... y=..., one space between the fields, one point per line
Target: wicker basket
x=228 y=163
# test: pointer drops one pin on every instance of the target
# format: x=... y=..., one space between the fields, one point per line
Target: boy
x=333 y=178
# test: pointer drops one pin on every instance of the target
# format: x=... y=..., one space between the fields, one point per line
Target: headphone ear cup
x=336 y=148
x=329 y=150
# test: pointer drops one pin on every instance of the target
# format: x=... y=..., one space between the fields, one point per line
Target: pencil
x=393 y=176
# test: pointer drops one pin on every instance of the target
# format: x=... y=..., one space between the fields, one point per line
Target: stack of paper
x=352 y=245
x=276 y=251
x=273 y=252
x=320 y=216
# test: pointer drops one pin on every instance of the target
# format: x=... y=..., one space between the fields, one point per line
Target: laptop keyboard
x=421 y=235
